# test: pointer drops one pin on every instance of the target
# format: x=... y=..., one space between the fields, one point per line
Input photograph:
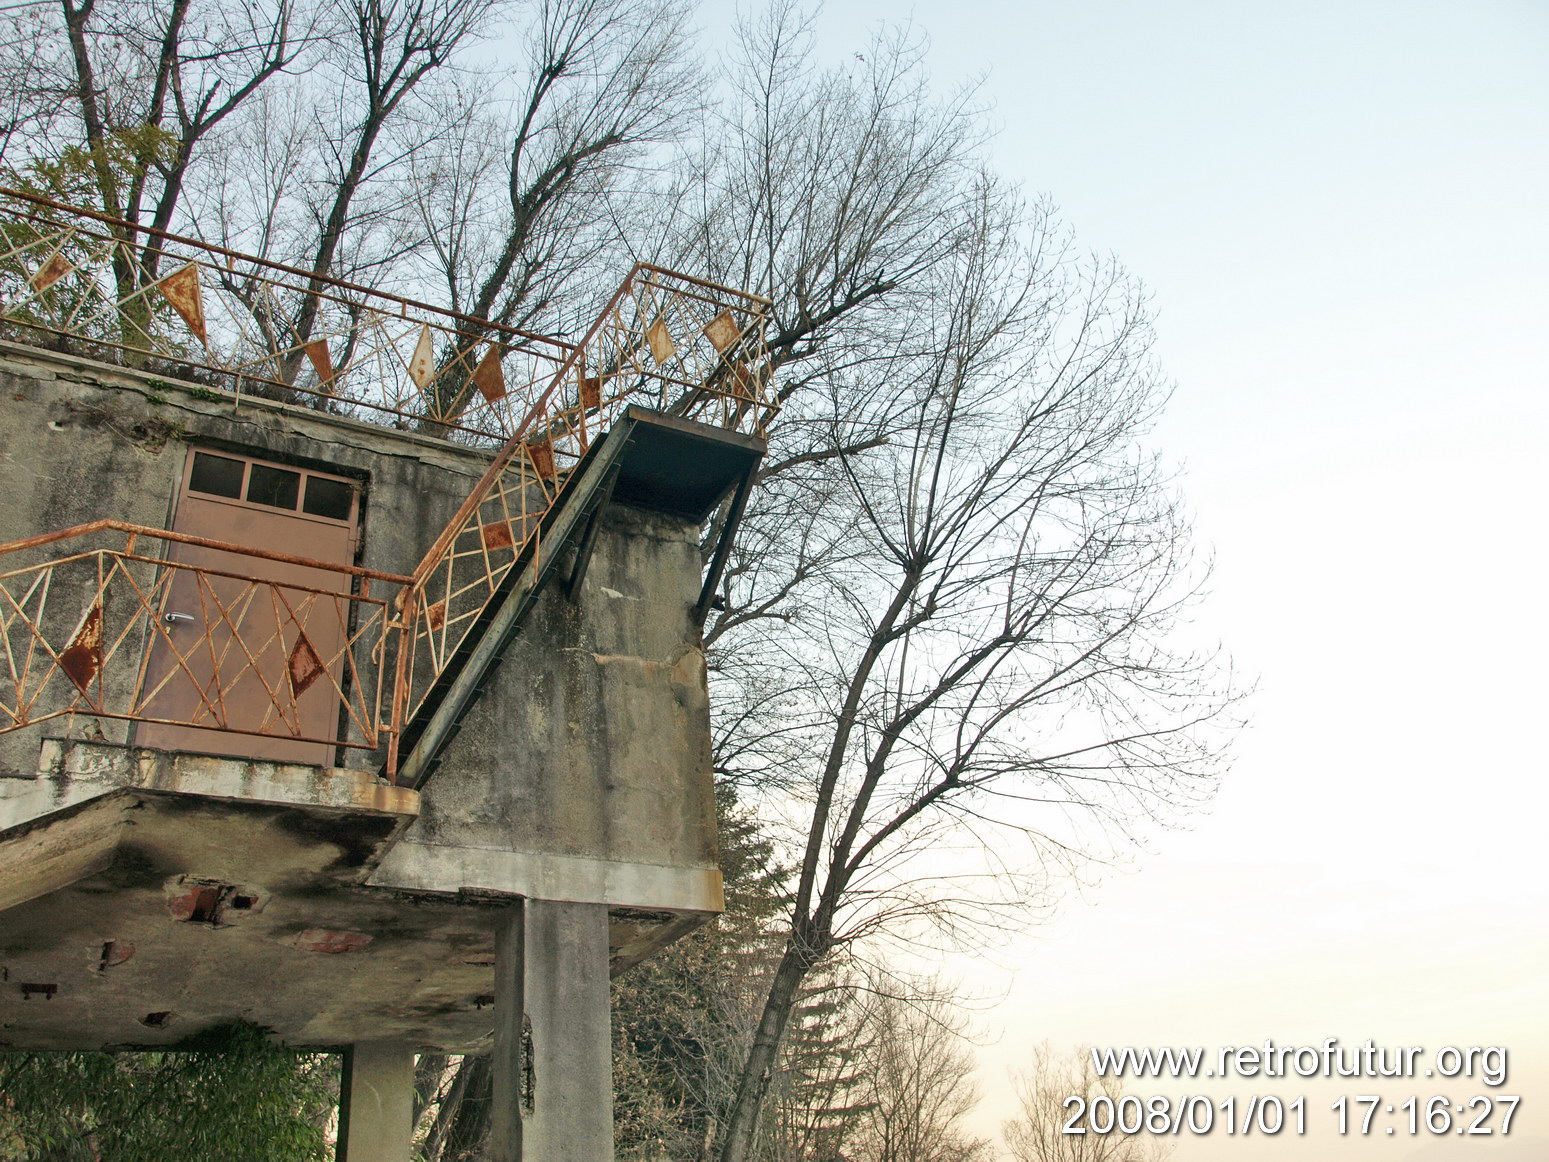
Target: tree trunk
x=753 y=1085
x=462 y=1122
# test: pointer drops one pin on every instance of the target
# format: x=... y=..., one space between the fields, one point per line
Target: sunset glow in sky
x=1339 y=209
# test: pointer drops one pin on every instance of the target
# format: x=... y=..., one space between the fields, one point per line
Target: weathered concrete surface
x=376 y=1103
x=72 y=771
x=83 y=441
x=508 y=1074
x=581 y=777
x=60 y=829
x=70 y=426
x=447 y=868
x=212 y=910
x=572 y=1060
x=584 y=773
x=157 y=912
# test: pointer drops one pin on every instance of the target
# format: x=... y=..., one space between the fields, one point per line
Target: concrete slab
x=146 y=896
x=153 y=915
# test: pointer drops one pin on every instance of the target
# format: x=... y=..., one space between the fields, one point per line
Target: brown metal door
x=249 y=646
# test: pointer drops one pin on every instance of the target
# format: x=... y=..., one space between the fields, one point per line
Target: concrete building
x=397 y=738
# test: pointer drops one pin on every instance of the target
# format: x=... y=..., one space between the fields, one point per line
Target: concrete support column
x=376 y=1103
x=569 y=1008
x=505 y=1132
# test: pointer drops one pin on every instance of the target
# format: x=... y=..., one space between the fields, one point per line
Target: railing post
x=563 y=415
x=408 y=617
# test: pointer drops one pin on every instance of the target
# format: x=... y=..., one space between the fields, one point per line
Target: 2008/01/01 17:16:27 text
x=1363 y=1114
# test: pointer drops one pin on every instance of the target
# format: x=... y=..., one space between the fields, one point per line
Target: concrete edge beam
x=72 y=772
x=426 y=867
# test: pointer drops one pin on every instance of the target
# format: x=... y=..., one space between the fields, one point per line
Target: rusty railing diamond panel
x=84 y=633
x=237 y=323
x=127 y=656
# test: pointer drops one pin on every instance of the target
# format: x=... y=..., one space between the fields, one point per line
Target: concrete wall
x=591 y=745
x=83 y=441
x=584 y=772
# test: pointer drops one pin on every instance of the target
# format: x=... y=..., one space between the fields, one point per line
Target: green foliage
x=234 y=1098
x=98 y=299
x=96 y=175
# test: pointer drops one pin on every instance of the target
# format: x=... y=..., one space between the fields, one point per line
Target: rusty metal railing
x=92 y=632
x=151 y=299
x=664 y=340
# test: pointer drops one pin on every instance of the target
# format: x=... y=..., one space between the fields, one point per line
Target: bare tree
x=534 y=196
x=138 y=89
x=684 y=1018
x=1037 y=1133
x=874 y=1070
x=27 y=34
x=946 y=630
x=975 y=635
x=605 y=81
x=114 y=102
x=819 y=1099
x=830 y=190
x=915 y=1086
x=173 y=67
x=396 y=44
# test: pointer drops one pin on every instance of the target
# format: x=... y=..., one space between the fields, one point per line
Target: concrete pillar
x=376 y=1103
x=569 y=1008
x=505 y=1131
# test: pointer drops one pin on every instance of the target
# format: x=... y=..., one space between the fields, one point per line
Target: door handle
x=174 y=618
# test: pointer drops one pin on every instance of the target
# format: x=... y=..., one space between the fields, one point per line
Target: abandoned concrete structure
x=334 y=703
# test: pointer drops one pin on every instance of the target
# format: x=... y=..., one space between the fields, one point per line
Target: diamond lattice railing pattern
x=84 y=631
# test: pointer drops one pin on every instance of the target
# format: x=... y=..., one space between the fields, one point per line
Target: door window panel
x=216 y=475
x=275 y=487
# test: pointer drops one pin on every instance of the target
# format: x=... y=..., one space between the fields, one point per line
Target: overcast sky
x=1340 y=210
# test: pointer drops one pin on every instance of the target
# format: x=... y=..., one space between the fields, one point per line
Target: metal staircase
x=663 y=403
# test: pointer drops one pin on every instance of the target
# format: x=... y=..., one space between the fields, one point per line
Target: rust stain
x=422 y=364
x=488 y=377
x=181 y=289
x=114 y=953
x=304 y=666
x=81 y=660
x=743 y=383
x=733 y=322
x=196 y=901
x=497 y=535
x=330 y=940
x=660 y=340
x=53 y=269
x=542 y=459
x=722 y=330
x=322 y=360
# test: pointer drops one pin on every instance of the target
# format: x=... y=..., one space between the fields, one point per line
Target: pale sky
x=1340 y=210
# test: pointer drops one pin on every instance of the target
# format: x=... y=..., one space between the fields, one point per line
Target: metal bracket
x=583 y=549
x=723 y=546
